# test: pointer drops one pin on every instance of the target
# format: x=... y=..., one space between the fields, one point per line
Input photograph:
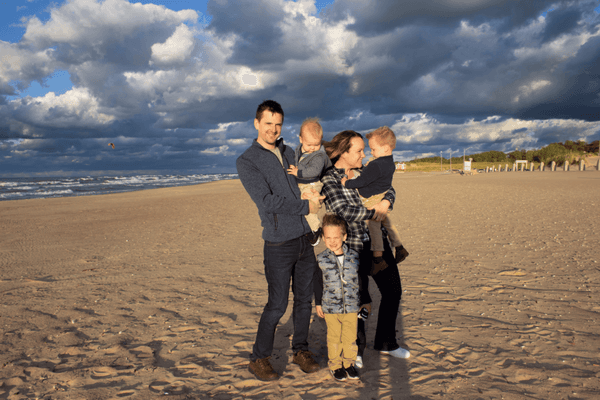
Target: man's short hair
x=334 y=220
x=269 y=105
x=383 y=136
x=312 y=120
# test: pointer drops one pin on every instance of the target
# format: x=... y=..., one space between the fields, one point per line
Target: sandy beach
x=158 y=293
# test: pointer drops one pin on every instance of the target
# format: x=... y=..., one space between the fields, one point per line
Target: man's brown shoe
x=304 y=359
x=263 y=370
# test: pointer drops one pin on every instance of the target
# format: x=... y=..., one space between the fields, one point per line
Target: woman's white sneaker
x=358 y=362
x=398 y=353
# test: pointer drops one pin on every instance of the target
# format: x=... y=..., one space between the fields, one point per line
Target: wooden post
x=598 y=165
x=515 y=167
x=506 y=167
x=566 y=166
x=531 y=166
x=542 y=166
x=581 y=165
x=553 y=168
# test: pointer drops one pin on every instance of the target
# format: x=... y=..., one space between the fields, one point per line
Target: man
x=288 y=254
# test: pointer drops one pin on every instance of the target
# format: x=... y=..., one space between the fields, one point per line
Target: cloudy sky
x=174 y=84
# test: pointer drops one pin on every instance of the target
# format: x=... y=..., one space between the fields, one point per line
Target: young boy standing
x=372 y=184
x=337 y=299
x=311 y=162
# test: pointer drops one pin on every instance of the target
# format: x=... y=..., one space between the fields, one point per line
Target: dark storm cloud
x=561 y=21
x=255 y=22
x=374 y=18
x=579 y=94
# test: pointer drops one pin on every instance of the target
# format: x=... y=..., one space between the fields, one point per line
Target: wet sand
x=146 y=294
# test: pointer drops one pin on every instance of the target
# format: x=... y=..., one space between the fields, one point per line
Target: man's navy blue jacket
x=274 y=191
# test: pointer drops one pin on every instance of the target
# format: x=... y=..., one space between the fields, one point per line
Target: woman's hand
x=381 y=210
x=367 y=306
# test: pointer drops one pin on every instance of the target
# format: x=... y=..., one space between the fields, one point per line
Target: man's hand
x=309 y=194
x=314 y=200
x=381 y=210
x=320 y=311
x=314 y=204
x=344 y=179
x=293 y=170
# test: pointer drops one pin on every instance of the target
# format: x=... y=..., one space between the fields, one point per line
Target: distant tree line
x=558 y=152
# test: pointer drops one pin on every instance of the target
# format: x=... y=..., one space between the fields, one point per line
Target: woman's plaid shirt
x=346 y=203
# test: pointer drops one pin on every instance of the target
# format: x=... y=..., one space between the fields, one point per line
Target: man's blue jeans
x=291 y=260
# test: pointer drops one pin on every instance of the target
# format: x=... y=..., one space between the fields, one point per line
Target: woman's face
x=354 y=156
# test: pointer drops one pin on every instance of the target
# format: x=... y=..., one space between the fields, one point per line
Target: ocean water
x=37 y=188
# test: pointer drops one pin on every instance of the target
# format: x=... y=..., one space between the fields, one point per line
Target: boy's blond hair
x=333 y=220
x=312 y=121
x=383 y=136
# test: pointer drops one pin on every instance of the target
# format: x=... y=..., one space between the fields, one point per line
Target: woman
x=346 y=151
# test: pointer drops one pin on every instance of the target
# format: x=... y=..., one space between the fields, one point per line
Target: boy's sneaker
x=359 y=362
x=339 y=374
x=352 y=372
x=401 y=254
x=263 y=370
x=316 y=237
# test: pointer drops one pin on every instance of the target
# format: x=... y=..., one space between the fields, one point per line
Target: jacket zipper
x=340 y=268
x=283 y=162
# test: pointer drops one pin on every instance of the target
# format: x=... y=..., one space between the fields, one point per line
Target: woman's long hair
x=340 y=144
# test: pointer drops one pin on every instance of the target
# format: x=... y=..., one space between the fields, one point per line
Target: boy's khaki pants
x=341 y=340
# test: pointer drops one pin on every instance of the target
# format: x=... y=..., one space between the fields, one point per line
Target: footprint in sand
x=143 y=352
x=168 y=388
x=189 y=370
x=525 y=377
x=186 y=328
x=103 y=372
x=244 y=345
x=512 y=272
x=449 y=329
x=126 y=393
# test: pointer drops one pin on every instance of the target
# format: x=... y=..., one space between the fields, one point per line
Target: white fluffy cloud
x=424 y=129
x=22 y=66
x=95 y=24
x=176 y=49
x=77 y=108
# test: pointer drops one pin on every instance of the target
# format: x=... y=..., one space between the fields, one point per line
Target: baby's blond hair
x=312 y=121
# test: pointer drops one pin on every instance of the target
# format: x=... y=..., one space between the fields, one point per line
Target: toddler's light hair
x=383 y=136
